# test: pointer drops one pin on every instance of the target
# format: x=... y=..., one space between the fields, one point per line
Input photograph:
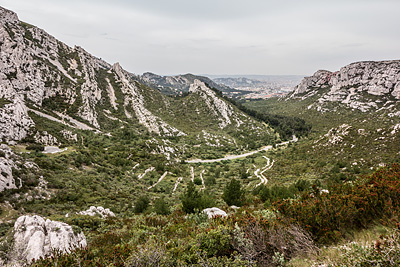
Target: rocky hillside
x=364 y=86
x=42 y=77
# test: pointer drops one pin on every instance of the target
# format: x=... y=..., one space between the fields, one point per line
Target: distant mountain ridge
x=178 y=84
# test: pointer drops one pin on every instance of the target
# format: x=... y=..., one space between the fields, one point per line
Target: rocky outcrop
x=97 y=211
x=7 y=180
x=214 y=212
x=15 y=122
x=216 y=105
x=70 y=136
x=335 y=135
x=354 y=85
x=35 y=237
x=135 y=100
x=46 y=139
x=9 y=161
x=319 y=79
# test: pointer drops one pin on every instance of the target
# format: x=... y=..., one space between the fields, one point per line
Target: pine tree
x=233 y=194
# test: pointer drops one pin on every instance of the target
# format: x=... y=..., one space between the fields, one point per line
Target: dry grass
x=330 y=254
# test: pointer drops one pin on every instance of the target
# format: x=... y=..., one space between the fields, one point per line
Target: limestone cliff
x=362 y=85
x=40 y=73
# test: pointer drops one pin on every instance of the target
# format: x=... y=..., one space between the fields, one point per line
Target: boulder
x=36 y=237
x=93 y=211
x=214 y=212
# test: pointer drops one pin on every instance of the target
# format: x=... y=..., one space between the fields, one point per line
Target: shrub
x=346 y=207
x=161 y=207
x=216 y=242
x=35 y=147
x=197 y=181
x=210 y=181
x=192 y=200
x=233 y=194
x=141 y=204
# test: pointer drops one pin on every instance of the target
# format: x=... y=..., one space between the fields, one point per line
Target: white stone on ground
x=214 y=212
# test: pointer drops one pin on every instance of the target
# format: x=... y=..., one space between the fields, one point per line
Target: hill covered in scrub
x=92 y=155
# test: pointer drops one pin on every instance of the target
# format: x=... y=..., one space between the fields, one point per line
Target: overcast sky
x=222 y=36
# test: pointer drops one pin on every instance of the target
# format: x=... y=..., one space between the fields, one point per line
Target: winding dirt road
x=230 y=157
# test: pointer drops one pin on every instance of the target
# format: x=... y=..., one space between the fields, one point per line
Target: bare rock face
x=135 y=100
x=218 y=107
x=35 y=237
x=9 y=161
x=14 y=120
x=46 y=139
x=214 y=212
x=354 y=85
x=70 y=136
x=319 y=79
x=6 y=164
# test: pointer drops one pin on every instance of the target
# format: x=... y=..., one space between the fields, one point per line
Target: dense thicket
x=347 y=207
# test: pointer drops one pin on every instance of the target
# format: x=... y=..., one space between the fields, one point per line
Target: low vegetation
x=282 y=235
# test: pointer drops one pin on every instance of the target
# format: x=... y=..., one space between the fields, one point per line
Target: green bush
x=161 y=207
x=197 y=181
x=216 y=242
x=347 y=207
x=233 y=194
x=193 y=200
x=141 y=204
x=35 y=147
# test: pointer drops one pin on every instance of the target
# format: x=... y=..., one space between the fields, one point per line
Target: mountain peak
x=8 y=16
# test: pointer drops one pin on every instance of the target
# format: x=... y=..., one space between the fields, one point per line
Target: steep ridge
x=365 y=86
x=41 y=72
x=42 y=77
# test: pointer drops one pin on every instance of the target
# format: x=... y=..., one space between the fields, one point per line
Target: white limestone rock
x=8 y=161
x=15 y=122
x=318 y=79
x=216 y=105
x=70 y=136
x=214 y=212
x=98 y=211
x=46 y=139
x=334 y=136
x=35 y=237
x=7 y=16
x=354 y=85
x=135 y=100
x=7 y=180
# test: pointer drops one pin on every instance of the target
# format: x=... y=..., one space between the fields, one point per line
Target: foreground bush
x=347 y=207
x=383 y=252
x=244 y=239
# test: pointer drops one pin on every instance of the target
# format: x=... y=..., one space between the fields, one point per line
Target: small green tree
x=141 y=204
x=161 y=207
x=190 y=198
x=197 y=181
x=233 y=194
x=193 y=200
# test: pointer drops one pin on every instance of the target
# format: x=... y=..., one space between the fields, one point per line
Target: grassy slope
x=364 y=145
